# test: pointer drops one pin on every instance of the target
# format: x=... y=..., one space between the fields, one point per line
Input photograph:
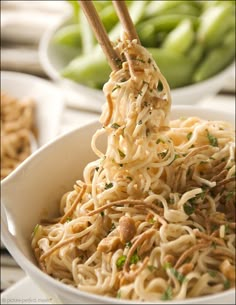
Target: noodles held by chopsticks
x=154 y=217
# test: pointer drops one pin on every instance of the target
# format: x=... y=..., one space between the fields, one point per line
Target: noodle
x=146 y=223
x=17 y=128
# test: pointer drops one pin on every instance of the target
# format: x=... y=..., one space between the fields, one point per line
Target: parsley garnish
x=115 y=88
x=179 y=276
x=212 y=273
x=130 y=178
x=36 y=229
x=115 y=126
x=134 y=258
x=189 y=135
x=159 y=141
x=152 y=268
x=121 y=261
x=212 y=140
x=128 y=244
x=118 y=294
x=140 y=122
x=188 y=208
x=226 y=284
x=102 y=213
x=108 y=185
x=122 y=155
x=68 y=219
x=167 y=295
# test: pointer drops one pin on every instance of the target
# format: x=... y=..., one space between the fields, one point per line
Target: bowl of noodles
x=143 y=211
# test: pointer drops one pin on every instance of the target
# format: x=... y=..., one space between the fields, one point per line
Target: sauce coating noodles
x=153 y=218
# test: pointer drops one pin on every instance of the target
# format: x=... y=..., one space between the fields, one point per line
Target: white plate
x=25 y=292
x=48 y=98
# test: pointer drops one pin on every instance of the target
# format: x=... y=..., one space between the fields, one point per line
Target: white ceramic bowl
x=38 y=185
x=48 y=99
x=54 y=58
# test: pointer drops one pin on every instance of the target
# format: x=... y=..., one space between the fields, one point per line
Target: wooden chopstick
x=100 y=33
x=125 y=19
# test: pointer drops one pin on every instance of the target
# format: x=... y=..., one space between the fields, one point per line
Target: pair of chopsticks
x=100 y=32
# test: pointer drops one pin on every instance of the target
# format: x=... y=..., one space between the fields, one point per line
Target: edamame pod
x=176 y=68
x=91 y=70
x=215 y=61
x=214 y=23
x=69 y=35
x=181 y=38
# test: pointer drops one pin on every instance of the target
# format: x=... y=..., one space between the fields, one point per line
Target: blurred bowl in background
x=48 y=99
x=54 y=58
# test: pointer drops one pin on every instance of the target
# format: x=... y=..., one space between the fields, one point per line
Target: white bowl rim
x=31 y=268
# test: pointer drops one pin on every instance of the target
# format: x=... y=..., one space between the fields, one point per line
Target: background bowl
x=48 y=99
x=59 y=158
x=55 y=57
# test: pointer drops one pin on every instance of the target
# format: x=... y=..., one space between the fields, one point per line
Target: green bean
x=214 y=23
x=176 y=68
x=69 y=35
x=181 y=38
x=216 y=60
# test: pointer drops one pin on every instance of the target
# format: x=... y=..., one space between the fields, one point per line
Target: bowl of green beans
x=193 y=43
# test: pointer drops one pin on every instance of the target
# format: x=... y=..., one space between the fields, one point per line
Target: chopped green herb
x=115 y=125
x=212 y=273
x=134 y=258
x=226 y=284
x=227 y=229
x=229 y=195
x=102 y=213
x=179 y=276
x=128 y=244
x=159 y=141
x=152 y=268
x=118 y=294
x=118 y=62
x=189 y=135
x=163 y=154
x=167 y=295
x=149 y=60
x=171 y=201
x=138 y=59
x=212 y=158
x=68 y=219
x=123 y=80
x=115 y=88
x=145 y=104
x=122 y=155
x=121 y=261
x=151 y=220
x=167 y=265
x=108 y=185
x=158 y=203
x=130 y=178
x=212 y=140
x=147 y=132
x=36 y=229
x=140 y=92
x=140 y=122
x=213 y=244
x=121 y=165
x=188 y=208
x=97 y=169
